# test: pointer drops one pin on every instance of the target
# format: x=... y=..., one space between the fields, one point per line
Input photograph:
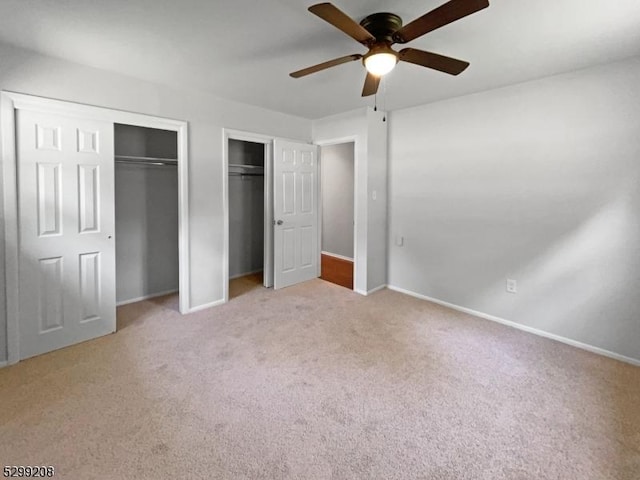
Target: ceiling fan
x=379 y=31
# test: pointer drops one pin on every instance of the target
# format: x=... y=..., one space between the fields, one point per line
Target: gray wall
x=246 y=211
x=337 y=177
x=26 y=72
x=146 y=203
x=377 y=214
x=538 y=182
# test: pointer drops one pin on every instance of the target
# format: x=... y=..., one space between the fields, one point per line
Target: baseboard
x=377 y=289
x=206 y=305
x=369 y=292
x=245 y=274
x=342 y=257
x=4 y=363
x=146 y=297
x=525 y=328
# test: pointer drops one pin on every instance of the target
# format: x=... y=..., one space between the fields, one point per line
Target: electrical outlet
x=512 y=285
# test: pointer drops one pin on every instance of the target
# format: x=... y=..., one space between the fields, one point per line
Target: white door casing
x=66 y=227
x=295 y=194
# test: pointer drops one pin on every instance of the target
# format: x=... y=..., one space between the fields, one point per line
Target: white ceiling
x=244 y=49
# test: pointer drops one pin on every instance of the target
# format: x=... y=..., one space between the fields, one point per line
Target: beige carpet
x=316 y=382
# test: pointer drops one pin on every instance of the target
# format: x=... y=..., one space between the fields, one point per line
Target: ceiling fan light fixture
x=380 y=64
x=380 y=60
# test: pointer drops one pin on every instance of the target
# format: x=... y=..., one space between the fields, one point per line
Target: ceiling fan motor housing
x=382 y=26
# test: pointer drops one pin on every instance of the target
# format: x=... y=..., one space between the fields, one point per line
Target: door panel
x=48 y=185
x=90 y=286
x=50 y=290
x=89 y=197
x=295 y=212
x=66 y=224
x=307 y=254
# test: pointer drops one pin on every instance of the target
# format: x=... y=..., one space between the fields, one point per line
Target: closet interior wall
x=246 y=208
x=146 y=211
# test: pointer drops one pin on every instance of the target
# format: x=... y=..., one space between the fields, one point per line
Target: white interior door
x=66 y=225
x=295 y=194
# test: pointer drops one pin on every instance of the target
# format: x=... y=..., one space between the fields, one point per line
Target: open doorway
x=337 y=170
x=249 y=216
x=146 y=214
x=246 y=216
x=290 y=182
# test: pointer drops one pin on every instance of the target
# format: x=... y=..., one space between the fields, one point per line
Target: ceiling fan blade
x=444 y=64
x=340 y=20
x=325 y=65
x=443 y=15
x=371 y=84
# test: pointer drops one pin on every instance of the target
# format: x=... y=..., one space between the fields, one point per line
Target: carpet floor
x=317 y=382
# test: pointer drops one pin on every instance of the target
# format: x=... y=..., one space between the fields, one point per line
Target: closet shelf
x=145 y=160
x=242 y=165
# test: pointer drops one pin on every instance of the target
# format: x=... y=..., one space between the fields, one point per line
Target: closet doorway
x=61 y=275
x=146 y=213
x=287 y=171
x=250 y=214
x=337 y=174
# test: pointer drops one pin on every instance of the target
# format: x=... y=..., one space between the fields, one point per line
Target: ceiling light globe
x=380 y=64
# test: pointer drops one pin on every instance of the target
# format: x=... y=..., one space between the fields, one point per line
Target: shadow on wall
x=574 y=253
x=564 y=291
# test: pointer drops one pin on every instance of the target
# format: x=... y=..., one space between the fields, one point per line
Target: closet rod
x=238 y=174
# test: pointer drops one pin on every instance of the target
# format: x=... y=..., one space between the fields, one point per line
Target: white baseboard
x=369 y=292
x=377 y=289
x=245 y=274
x=146 y=297
x=206 y=305
x=4 y=363
x=519 y=326
x=341 y=257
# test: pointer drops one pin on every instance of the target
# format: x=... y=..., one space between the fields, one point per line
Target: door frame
x=357 y=280
x=12 y=101
x=267 y=141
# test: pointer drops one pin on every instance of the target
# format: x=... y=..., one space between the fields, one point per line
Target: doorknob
x=279 y=222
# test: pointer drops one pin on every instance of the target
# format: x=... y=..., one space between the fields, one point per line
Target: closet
x=146 y=212
x=246 y=208
x=97 y=202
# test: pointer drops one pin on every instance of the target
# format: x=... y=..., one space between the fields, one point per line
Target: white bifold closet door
x=295 y=196
x=66 y=224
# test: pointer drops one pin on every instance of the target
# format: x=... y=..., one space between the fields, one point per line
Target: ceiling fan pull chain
x=375 y=102
x=384 y=98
